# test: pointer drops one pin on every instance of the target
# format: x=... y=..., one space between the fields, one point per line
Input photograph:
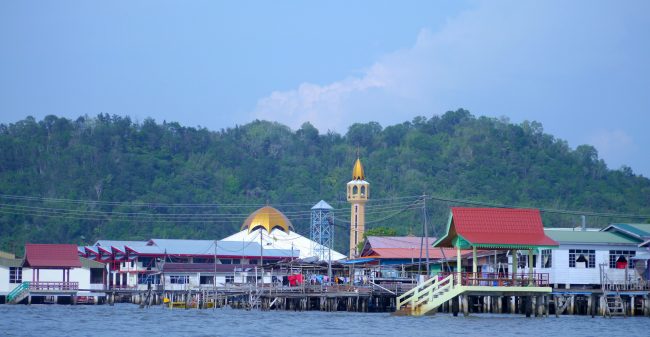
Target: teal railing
x=17 y=291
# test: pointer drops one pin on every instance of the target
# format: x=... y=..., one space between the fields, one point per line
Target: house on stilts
x=479 y=229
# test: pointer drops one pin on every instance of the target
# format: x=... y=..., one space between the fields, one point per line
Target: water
x=124 y=320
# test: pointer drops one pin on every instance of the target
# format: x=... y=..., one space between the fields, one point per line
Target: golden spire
x=357 y=171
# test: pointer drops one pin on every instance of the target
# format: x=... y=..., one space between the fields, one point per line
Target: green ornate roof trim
x=506 y=246
x=460 y=241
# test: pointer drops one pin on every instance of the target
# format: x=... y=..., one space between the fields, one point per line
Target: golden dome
x=267 y=218
x=357 y=171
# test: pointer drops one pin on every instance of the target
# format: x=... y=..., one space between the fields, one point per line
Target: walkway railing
x=53 y=285
x=499 y=279
x=17 y=291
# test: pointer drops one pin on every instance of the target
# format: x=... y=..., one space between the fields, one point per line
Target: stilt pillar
x=465 y=305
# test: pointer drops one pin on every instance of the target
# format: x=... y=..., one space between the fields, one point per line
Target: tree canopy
x=109 y=177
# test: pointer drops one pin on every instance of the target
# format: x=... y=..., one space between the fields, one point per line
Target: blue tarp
x=357 y=261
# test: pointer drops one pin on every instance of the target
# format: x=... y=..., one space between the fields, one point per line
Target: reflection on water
x=129 y=320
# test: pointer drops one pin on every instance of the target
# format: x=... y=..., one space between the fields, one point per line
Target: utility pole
x=426 y=233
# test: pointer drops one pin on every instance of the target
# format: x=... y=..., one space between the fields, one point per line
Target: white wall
x=561 y=273
x=81 y=275
x=5 y=286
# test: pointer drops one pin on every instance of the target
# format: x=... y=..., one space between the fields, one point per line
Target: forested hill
x=109 y=177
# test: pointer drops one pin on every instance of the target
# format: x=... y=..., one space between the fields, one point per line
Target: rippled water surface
x=129 y=320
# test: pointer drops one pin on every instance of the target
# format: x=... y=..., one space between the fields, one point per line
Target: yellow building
x=358 y=193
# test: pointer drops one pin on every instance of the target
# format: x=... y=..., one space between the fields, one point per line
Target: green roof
x=11 y=262
x=590 y=237
x=91 y=263
x=640 y=229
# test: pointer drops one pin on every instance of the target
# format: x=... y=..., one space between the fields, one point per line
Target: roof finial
x=357 y=171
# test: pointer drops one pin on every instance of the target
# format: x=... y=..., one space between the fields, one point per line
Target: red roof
x=497 y=227
x=411 y=253
x=403 y=247
x=51 y=256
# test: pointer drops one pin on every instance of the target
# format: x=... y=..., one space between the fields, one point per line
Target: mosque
x=266 y=236
x=273 y=230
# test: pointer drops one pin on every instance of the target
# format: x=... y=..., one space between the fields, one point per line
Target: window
x=547 y=258
x=355 y=190
x=582 y=258
x=132 y=263
x=179 y=279
x=363 y=190
x=522 y=260
x=230 y=279
x=96 y=275
x=202 y=260
x=148 y=278
x=15 y=274
x=620 y=259
x=207 y=280
x=147 y=262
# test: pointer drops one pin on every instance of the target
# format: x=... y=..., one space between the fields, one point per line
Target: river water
x=129 y=320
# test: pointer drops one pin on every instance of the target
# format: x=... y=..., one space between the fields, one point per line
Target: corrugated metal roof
x=118 y=243
x=204 y=267
x=496 y=227
x=588 y=237
x=10 y=262
x=322 y=205
x=87 y=263
x=412 y=253
x=51 y=256
x=641 y=231
x=397 y=241
x=190 y=247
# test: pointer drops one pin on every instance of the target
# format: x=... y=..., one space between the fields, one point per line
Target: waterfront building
x=11 y=273
x=53 y=271
x=489 y=229
x=266 y=237
x=587 y=259
x=136 y=264
x=358 y=192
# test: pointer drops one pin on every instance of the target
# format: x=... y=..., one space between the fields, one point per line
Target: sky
x=581 y=68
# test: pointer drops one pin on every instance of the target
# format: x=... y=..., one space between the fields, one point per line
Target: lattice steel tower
x=322 y=229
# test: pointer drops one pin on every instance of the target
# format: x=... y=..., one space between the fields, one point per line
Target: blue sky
x=579 y=67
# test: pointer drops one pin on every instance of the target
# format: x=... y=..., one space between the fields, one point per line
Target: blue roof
x=194 y=247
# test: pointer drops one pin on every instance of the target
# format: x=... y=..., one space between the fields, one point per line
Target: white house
x=587 y=258
x=11 y=274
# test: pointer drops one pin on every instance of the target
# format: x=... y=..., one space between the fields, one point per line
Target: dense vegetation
x=124 y=180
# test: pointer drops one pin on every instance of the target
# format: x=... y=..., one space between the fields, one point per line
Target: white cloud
x=567 y=64
x=467 y=54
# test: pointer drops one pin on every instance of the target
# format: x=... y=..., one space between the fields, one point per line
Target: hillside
x=108 y=177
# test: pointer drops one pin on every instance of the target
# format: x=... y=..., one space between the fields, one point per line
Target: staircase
x=614 y=305
x=254 y=301
x=428 y=296
x=18 y=294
